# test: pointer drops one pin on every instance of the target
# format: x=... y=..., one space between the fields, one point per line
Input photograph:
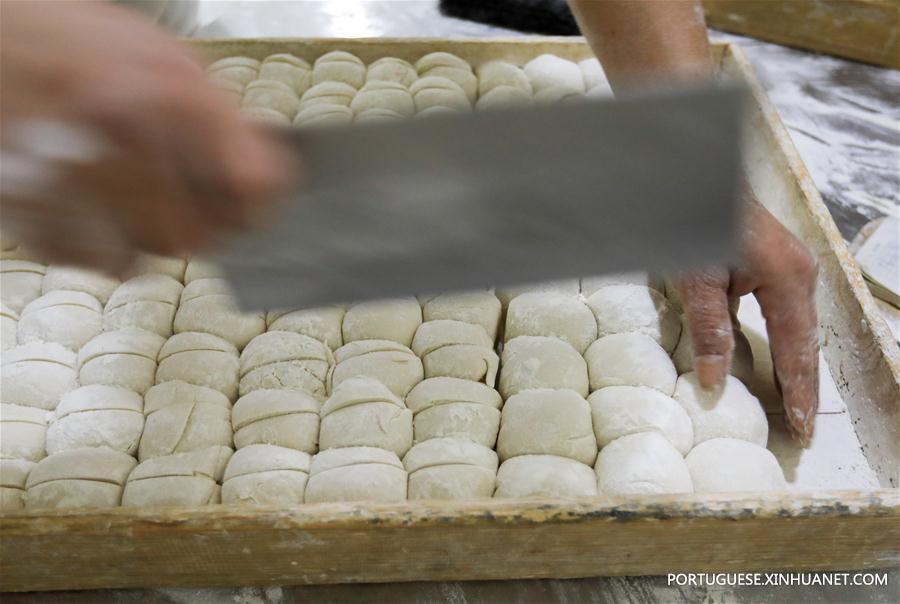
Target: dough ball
x=729 y=411
x=384 y=95
x=182 y=417
x=450 y=468
x=239 y=69
x=456 y=349
x=208 y=306
x=232 y=91
x=544 y=476
x=286 y=418
x=323 y=324
x=377 y=115
x=441 y=59
x=392 y=364
x=126 y=358
x=285 y=360
x=730 y=465
x=362 y=412
x=592 y=73
x=13 y=476
x=630 y=359
x=621 y=410
x=551 y=422
x=645 y=463
x=565 y=286
x=271 y=94
x=551 y=314
x=741 y=361
x=552 y=72
x=435 y=91
x=96 y=284
x=634 y=308
x=503 y=97
x=201 y=359
x=497 y=74
x=555 y=95
x=327 y=93
x=589 y=285
x=446 y=406
x=395 y=320
x=287 y=69
x=475 y=307
x=37 y=375
x=65 y=317
x=198 y=268
x=541 y=362
x=9 y=324
x=79 y=478
x=23 y=432
x=322 y=114
x=146 y=302
x=154 y=264
x=600 y=92
x=339 y=66
x=266 y=475
x=390 y=69
x=97 y=416
x=182 y=479
x=462 y=76
x=266 y=115
x=20 y=282
x=436 y=110
x=356 y=474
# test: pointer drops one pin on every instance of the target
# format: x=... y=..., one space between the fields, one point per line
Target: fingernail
x=711 y=369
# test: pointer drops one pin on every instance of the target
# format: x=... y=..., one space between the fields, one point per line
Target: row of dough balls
x=339 y=87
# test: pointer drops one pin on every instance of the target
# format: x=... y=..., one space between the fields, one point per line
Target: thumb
x=704 y=297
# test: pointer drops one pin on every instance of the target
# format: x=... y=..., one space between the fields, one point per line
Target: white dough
x=589 y=285
x=503 y=97
x=621 y=410
x=146 y=302
x=79 y=478
x=183 y=479
x=20 y=282
x=541 y=362
x=356 y=474
x=286 y=418
x=495 y=74
x=9 y=322
x=266 y=475
x=97 y=416
x=154 y=264
x=544 y=476
x=728 y=411
x=456 y=349
x=37 y=375
x=271 y=94
x=327 y=93
x=232 y=90
x=476 y=307
x=642 y=464
x=549 y=71
x=377 y=115
x=287 y=69
x=239 y=69
x=198 y=268
x=395 y=320
x=552 y=314
x=451 y=67
x=323 y=114
x=566 y=286
x=556 y=94
x=630 y=359
x=323 y=324
x=362 y=412
x=450 y=468
x=430 y=92
x=207 y=305
x=384 y=95
x=126 y=358
x=266 y=115
x=446 y=406
x=284 y=359
x=593 y=74
x=23 y=432
x=69 y=318
x=634 y=308
x=96 y=284
x=393 y=364
x=729 y=465
x=201 y=359
x=390 y=69
x=13 y=477
x=339 y=66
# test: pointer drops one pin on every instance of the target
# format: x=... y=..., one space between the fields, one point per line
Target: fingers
x=705 y=300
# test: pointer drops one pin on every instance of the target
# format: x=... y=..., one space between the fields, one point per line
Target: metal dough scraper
x=458 y=202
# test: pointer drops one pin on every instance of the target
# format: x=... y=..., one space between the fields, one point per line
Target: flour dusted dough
x=541 y=362
x=446 y=406
x=451 y=67
x=356 y=474
x=284 y=359
x=630 y=359
x=456 y=349
x=186 y=479
x=146 y=302
x=266 y=475
x=287 y=69
x=556 y=94
x=363 y=412
x=80 y=478
x=239 y=69
x=323 y=114
x=207 y=305
x=23 y=432
x=589 y=285
x=552 y=72
x=9 y=321
x=641 y=464
x=96 y=284
x=544 y=476
x=476 y=307
x=266 y=115
x=37 y=375
x=634 y=308
x=502 y=97
x=496 y=74
x=594 y=76
x=621 y=410
x=327 y=93
x=182 y=417
x=728 y=411
x=97 y=416
x=323 y=324
x=741 y=361
x=271 y=94
x=20 y=282
x=339 y=66
x=450 y=468
x=392 y=364
x=125 y=357
x=13 y=476
x=730 y=465
x=286 y=418
x=65 y=317
x=566 y=286
x=395 y=320
x=384 y=95
x=431 y=92
x=390 y=69
x=154 y=264
x=198 y=268
x=201 y=359
x=376 y=115
x=552 y=314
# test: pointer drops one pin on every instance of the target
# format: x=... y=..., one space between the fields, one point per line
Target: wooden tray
x=502 y=539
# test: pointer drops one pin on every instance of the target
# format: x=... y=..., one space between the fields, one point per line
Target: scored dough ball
x=271 y=94
x=621 y=410
x=475 y=307
x=267 y=116
x=392 y=364
x=551 y=314
x=730 y=465
x=327 y=93
x=339 y=66
x=146 y=302
x=286 y=418
x=395 y=320
x=433 y=92
x=376 y=115
x=20 y=282
x=502 y=97
x=97 y=416
x=741 y=361
x=197 y=268
x=630 y=359
x=239 y=69
x=323 y=324
x=287 y=69
x=456 y=349
x=186 y=479
x=207 y=305
x=384 y=95
x=285 y=360
x=80 y=478
x=154 y=264
x=589 y=285
x=446 y=65
x=390 y=69
x=323 y=114
x=183 y=417
x=541 y=362
x=96 y=284
x=446 y=406
x=500 y=74
x=545 y=476
x=37 y=375
x=9 y=323
x=23 y=432
x=13 y=477
x=642 y=464
x=201 y=359
x=266 y=475
x=727 y=411
x=356 y=474
x=634 y=308
x=357 y=406
x=565 y=286
x=65 y=317
x=552 y=72
x=594 y=76
x=126 y=358
x=450 y=468
x=551 y=422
